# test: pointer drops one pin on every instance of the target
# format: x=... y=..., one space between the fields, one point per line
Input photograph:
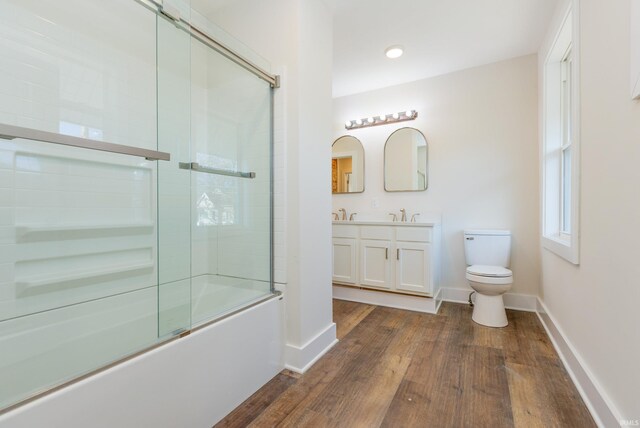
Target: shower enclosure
x=135 y=185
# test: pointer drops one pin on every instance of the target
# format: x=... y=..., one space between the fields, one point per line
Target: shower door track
x=163 y=8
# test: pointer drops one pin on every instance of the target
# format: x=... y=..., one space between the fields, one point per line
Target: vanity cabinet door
x=413 y=267
x=375 y=263
x=344 y=261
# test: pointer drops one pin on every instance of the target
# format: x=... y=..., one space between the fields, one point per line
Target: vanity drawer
x=345 y=231
x=376 y=232
x=414 y=234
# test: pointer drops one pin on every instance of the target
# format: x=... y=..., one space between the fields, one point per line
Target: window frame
x=560 y=138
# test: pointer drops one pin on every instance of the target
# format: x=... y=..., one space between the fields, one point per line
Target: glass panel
x=231 y=216
x=78 y=270
x=174 y=206
x=566 y=190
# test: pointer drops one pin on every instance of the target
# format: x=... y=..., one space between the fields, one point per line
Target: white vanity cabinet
x=345 y=254
x=389 y=257
x=375 y=265
x=414 y=259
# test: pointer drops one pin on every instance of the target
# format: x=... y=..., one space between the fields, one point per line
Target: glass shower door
x=174 y=204
x=78 y=272
x=230 y=185
x=214 y=196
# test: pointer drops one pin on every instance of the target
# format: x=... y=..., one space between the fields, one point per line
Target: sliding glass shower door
x=215 y=194
x=230 y=184
x=105 y=255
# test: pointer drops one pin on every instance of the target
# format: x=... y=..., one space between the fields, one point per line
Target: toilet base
x=489 y=311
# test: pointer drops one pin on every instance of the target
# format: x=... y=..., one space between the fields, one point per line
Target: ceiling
x=438 y=36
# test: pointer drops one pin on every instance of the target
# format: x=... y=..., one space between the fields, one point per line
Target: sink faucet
x=404 y=215
x=413 y=217
x=395 y=217
x=335 y=216
x=344 y=213
x=351 y=216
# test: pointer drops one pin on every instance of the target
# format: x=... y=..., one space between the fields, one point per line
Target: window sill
x=563 y=246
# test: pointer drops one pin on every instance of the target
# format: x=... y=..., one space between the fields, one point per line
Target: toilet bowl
x=488 y=254
x=489 y=283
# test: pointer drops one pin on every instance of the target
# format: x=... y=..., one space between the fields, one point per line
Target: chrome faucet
x=404 y=215
x=413 y=217
x=335 y=216
x=351 y=216
x=395 y=217
x=344 y=213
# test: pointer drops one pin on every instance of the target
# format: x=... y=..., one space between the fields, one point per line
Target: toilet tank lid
x=491 y=232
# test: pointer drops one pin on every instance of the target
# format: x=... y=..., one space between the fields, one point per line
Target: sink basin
x=388 y=223
x=384 y=219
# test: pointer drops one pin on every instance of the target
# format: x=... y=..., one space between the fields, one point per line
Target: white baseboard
x=515 y=301
x=598 y=403
x=400 y=301
x=300 y=358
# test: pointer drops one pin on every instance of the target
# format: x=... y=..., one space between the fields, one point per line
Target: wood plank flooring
x=395 y=368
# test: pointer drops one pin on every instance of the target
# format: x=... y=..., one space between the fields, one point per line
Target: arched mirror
x=405 y=161
x=347 y=165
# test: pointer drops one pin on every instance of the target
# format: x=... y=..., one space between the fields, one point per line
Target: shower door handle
x=10 y=132
x=195 y=166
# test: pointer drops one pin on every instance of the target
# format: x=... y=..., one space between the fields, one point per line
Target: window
x=560 y=145
x=565 y=147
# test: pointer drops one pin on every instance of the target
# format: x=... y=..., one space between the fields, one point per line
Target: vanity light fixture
x=381 y=119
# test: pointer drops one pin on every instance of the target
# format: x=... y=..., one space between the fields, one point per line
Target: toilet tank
x=487 y=247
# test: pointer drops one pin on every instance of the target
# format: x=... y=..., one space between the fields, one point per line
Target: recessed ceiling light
x=393 y=51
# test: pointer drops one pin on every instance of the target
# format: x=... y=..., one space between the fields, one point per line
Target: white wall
x=295 y=37
x=481 y=129
x=596 y=303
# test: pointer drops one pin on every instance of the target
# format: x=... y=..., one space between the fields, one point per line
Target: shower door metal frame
x=172 y=14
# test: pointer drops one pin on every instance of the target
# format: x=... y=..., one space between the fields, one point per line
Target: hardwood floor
x=395 y=368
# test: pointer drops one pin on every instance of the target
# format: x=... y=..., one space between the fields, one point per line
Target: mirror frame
x=384 y=165
x=363 y=163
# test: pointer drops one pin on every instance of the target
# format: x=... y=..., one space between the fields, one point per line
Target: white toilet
x=488 y=255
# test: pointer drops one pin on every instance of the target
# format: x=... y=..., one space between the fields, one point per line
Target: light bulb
x=396 y=116
x=358 y=122
x=394 y=51
x=371 y=120
x=383 y=117
x=347 y=124
x=409 y=113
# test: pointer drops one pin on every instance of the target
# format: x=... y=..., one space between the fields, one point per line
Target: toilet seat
x=489 y=274
x=490 y=279
x=490 y=271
